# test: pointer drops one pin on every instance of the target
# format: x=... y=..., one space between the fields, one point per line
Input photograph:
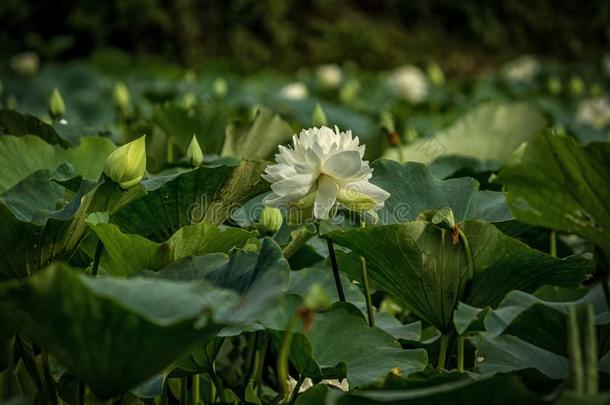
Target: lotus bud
x=121 y=96
x=386 y=121
x=436 y=75
x=271 y=220
x=554 y=85
x=194 y=154
x=317 y=299
x=577 y=85
x=220 y=87
x=349 y=91
x=318 y=117
x=126 y=165
x=57 y=107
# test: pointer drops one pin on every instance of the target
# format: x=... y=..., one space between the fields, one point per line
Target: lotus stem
x=367 y=291
x=195 y=389
x=575 y=351
x=442 y=354
x=460 y=353
x=553 y=243
x=283 y=357
x=333 y=262
x=589 y=343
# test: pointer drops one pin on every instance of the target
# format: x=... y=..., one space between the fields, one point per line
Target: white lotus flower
x=594 y=112
x=329 y=76
x=323 y=170
x=409 y=83
x=294 y=91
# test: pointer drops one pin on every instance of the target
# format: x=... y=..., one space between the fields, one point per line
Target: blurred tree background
x=285 y=34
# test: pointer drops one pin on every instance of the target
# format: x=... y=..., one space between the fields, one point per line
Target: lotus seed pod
x=271 y=220
x=126 y=165
x=318 y=117
x=57 y=107
x=194 y=154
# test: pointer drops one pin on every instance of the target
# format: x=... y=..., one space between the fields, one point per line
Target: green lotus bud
x=221 y=87
x=436 y=75
x=349 y=91
x=121 y=95
x=577 y=85
x=386 y=121
x=57 y=107
x=317 y=299
x=270 y=220
x=318 y=117
x=194 y=153
x=126 y=165
x=554 y=86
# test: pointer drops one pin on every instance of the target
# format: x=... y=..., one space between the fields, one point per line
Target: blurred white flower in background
x=324 y=169
x=594 y=112
x=329 y=76
x=25 y=63
x=409 y=83
x=523 y=69
x=294 y=91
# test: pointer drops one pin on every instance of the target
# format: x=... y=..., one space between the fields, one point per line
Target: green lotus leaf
x=490 y=132
x=204 y=194
x=126 y=253
x=114 y=333
x=554 y=182
x=421 y=268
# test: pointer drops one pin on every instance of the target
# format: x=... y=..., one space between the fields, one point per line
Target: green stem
x=282 y=360
x=442 y=355
x=170 y=150
x=367 y=290
x=99 y=249
x=460 y=353
x=590 y=348
x=553 y=243
x=574 y=348
x=195 y=389
x=469 y=259
x=333 y=262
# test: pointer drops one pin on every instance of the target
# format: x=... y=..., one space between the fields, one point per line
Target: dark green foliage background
x=251 y=34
